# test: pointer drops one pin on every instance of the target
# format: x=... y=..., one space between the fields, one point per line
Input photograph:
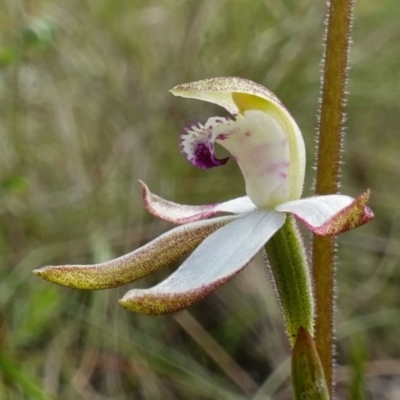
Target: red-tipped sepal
x=183 y=214
x=219 y=258
x=332 y=214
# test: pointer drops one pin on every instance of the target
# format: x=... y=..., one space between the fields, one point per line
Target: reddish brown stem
x=328 y=166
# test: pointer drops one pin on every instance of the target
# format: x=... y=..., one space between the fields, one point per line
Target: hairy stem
x=328 y=165
x=290 y=273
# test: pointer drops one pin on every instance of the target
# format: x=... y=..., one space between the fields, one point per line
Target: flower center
x=259 y=145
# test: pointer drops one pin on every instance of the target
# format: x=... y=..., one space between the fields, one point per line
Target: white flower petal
x=182 y=214
x=331 y=214
x=219 y=257
x=259 y=145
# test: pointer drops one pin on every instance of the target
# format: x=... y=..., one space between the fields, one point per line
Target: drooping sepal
x=219 y=257
x=332 y=214
x=158 y=253
x=308 y=379
x=183 y=214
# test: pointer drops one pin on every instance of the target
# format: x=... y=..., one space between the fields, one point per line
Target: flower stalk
x=289 y=269
x=330 y=139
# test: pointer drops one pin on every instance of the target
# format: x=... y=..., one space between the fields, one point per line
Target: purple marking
x=285 y=164
x=273 y=167
x=223 y=136
x=198 y=143
x=248 y=134
x=204 y=157
x=282 y=175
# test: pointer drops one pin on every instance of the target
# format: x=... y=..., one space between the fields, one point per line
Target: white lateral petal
x=331 y=214
x=219 y=257
x=182 y=214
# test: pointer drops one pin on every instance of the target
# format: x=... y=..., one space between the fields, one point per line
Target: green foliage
x=87 y=113
x=358 y=360
x=38 y=33
x=7 y=56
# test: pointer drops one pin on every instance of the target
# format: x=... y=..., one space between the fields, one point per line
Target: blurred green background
x=85 y=112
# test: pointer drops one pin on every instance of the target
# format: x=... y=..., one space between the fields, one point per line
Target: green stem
x=328 y=166
x=288 y=263
x=20 y=379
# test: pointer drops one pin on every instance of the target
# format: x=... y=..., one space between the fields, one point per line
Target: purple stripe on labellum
x=204 y=156
x=198 y=144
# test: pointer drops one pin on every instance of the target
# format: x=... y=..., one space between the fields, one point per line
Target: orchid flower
x=268 y=146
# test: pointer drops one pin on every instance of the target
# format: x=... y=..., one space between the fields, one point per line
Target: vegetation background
x=85 y=112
